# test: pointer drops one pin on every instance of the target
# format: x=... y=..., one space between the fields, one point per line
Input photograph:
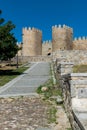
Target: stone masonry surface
x=23 y=113
x=74 y=89
x=75 y=56
x=32 y=42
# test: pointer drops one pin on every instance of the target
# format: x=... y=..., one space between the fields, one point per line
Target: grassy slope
x=8 y=74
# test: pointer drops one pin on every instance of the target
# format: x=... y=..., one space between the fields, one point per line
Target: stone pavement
x=30 y=113
x=27 y=83
x=24 y=113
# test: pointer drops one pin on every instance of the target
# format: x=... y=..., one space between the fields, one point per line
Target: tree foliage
x=8 y=46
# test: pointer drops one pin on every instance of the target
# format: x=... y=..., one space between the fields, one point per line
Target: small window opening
x=49 y=54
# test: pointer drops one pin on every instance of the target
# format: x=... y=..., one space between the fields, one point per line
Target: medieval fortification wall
x=32 y=42
x=46 y=47
x=80 y=43
x=62 y=39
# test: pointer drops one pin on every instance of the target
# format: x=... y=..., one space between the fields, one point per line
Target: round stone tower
x=32 y=42
x=62 y=38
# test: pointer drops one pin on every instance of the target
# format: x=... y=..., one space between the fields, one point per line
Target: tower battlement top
x=29 y=29
x=47 y=42
x=62 y=27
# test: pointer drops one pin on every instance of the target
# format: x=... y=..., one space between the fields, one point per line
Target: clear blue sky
x=43 y=14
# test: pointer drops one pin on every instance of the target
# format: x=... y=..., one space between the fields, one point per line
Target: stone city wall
x=46 y=47
x=62 y=39
x=75 y=56
x=80 y=43
x=24 y=59
x=74 y=89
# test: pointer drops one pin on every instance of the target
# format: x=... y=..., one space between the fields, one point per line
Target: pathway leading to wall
x=29 y=112
x=27 y=83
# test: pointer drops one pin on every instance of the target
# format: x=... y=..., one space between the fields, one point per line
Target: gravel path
x=23 y=113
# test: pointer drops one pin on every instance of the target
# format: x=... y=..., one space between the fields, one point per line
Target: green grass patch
x=80 y=69
x=8 y=75
x=57 y=91
x=48 y=92
x=52 y=115
x=50 y=89
x=69 y=129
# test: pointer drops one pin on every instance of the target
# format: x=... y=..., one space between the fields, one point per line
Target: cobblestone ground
x=23 y=113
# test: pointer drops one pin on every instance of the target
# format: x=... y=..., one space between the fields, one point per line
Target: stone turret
x=32 y=42
x=61 y=38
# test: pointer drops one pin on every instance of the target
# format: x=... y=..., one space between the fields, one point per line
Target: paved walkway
x=29 y=112
x=27 y=83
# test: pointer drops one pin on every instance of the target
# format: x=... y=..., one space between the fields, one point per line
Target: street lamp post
x=17 y=60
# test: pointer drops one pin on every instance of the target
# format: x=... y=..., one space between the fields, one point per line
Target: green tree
x=8 y=46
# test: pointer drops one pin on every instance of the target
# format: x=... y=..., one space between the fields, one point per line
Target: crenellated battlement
x=80 y=43
x=47 y=42
x=62 y=39
x=80 y=38
x=29 y=29
x=62 y=27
